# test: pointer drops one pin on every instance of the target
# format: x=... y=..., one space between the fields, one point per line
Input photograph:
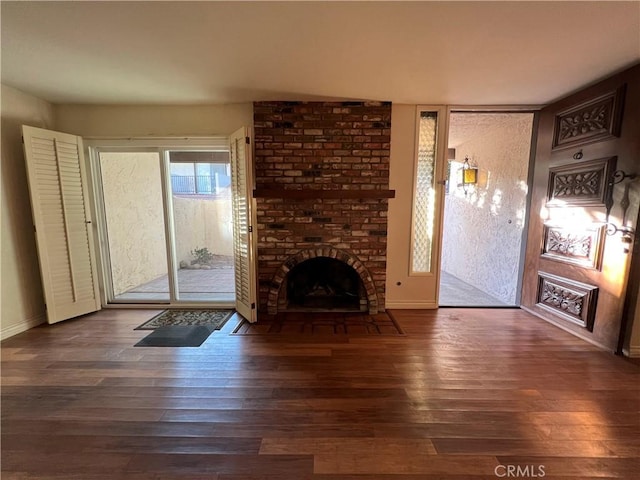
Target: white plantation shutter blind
x=242 y=181
x=57 y=185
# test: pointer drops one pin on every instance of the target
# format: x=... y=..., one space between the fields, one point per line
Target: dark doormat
x=177 y=336
x=208 y=318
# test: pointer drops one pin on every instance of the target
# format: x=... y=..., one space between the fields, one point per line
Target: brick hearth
x=322 y=188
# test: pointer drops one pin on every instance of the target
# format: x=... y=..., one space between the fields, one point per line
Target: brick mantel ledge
x=318 y=193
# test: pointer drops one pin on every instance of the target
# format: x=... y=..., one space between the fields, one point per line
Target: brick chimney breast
x=322 y=185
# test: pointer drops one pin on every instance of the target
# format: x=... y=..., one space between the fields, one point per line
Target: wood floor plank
x=460 y=393
x=540 y=447
x=292 y=465
x=128 y=444
x=380 y=462
x=346 y=446
x=63 y=463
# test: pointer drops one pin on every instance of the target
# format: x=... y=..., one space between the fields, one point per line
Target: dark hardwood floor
x=463 y=394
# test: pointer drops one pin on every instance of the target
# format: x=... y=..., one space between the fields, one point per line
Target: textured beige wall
x=132 y=192
x=202 y=222
x=482 y=233
x=21 y=301
x=153 y=120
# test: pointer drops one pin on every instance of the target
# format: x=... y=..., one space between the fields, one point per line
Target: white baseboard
x=22 y=326
x=411 y=305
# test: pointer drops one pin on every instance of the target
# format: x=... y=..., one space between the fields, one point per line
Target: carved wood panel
x=590 y=121
x=589 y=197
x=567 y=299
x=578 y=246
x=582 y=184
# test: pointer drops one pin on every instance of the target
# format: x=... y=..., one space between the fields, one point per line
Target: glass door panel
x=202 y=225
x=135 y=232
x=425 y=194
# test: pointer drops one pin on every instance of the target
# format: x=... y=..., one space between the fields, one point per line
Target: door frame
x=405 y=289
x=535 y=110
x=430 y=281
x=93 y=147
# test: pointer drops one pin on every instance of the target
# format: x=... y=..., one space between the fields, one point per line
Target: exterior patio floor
x=456 y=293
x=214 y=285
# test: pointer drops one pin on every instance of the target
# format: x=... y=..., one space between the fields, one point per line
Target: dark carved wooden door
x=584 y=209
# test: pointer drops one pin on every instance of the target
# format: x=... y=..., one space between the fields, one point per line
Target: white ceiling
x=465 y=53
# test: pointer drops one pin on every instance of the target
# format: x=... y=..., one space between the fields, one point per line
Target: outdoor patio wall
x=483 y=230
x=201 y=222
x=133 y=207
x=21 y=300
x=135 y=220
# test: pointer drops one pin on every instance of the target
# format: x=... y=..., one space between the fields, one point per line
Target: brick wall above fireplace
x=322 y=185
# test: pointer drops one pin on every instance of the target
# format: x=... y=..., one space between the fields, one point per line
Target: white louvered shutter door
x=57 y=185
x=243 y=240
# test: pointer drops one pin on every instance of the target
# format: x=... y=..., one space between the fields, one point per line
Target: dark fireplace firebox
x=319 y=279
x=324 y=283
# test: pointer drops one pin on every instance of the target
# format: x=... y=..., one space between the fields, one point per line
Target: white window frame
x=439 y=178
x=163 y=146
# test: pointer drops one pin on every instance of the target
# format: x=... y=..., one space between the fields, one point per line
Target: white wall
x=21 y=297
x=153 y=120
x=482 y=234
x=404 y=290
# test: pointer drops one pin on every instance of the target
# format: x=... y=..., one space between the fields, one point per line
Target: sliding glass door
x=202 y=225
x=165 y=228
x=133 y=221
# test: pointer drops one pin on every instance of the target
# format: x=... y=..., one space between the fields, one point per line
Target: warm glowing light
x=615 y=264
x=470 y=175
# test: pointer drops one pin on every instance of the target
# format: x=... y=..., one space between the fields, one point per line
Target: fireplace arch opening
x=324 y=283
x=322 y=279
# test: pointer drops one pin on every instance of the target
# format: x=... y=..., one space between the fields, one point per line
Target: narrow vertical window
x=424 y=201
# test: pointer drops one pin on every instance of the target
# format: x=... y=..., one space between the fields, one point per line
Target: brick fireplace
x=322 y=190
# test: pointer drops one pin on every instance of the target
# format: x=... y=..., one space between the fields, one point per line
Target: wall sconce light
x=469 y=175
